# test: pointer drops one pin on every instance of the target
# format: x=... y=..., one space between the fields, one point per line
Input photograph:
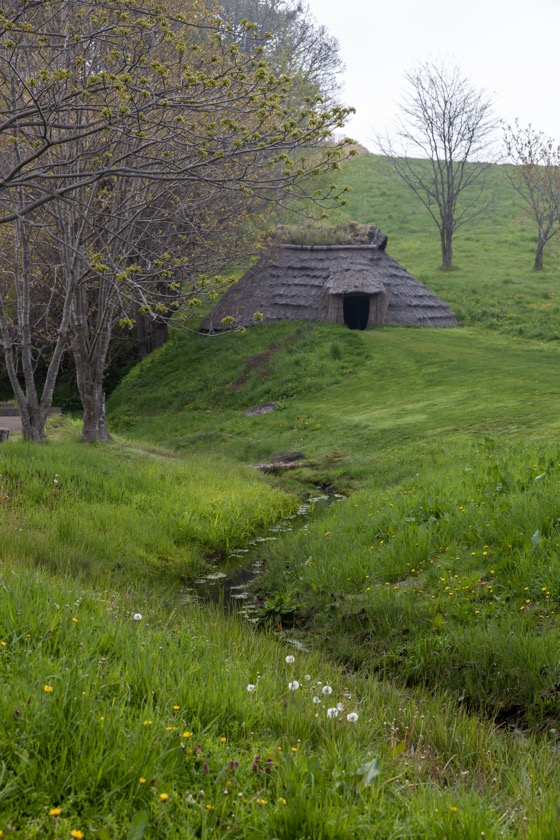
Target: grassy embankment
x=435 y=586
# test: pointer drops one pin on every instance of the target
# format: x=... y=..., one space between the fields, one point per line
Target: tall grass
x=182 y=723
x=108 y=513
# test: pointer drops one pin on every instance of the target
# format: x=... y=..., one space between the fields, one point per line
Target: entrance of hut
x=356 y=311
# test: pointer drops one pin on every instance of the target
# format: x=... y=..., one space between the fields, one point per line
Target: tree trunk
x=33 y=420
x=90 y=347
x=89 y=377
x=541 y=242
x=94 y=424
x=446 y=236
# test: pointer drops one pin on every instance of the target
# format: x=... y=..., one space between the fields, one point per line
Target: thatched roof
x=310 y=282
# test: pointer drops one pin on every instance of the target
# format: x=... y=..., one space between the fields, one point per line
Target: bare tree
x=536 y=178
x=446 y=132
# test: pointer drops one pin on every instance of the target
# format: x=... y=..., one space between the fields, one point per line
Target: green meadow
x=400 y=676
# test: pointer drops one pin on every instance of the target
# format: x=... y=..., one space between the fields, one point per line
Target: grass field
x=421 y=612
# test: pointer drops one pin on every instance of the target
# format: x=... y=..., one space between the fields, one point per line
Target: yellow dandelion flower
x=142 y=780
x=282 y=800
x=147 y=723
x=47 y=688
x=186 y=735
x=77 y=834
x=222 y=740
x=75 y=620
x=209 y=807
x=262 y=801
x=454 y=808
x=176 y=708
x=164 y=797
x=3 y=644
x=55 y=812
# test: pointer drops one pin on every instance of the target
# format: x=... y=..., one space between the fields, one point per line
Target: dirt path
x=11 y=423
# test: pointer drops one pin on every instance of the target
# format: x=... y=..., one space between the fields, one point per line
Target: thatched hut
x=357 y=285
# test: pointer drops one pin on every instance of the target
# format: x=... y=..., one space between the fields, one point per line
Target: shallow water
x=230 y=586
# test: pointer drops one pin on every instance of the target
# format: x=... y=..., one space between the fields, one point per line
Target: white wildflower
x=352 y=717
x=316 y=699
x=294 y=685
x=137 y=616
x=251 y=687
x=290 y=660
x=332 y=713
x=326 y=689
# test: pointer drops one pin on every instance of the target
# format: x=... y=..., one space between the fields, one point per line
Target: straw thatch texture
x=312 y=283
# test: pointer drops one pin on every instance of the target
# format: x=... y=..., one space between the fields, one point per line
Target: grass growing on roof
x=330 y=231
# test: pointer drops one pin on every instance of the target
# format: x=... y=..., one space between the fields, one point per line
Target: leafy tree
x=131 y=138
x=536 y=178
x=294 y=43
x=445 y=131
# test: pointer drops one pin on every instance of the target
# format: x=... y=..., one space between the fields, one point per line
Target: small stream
x=230 y=586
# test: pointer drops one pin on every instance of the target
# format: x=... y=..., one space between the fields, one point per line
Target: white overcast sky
x=509 y=48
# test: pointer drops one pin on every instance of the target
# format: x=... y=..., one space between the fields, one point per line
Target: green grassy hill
x=493 y=283
x=425 y=605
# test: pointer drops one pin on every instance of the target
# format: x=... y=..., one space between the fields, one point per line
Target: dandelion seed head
x=251 y=687
x=290 y=659
x=293 y=685
x=352 y=717
x=137 y=616
x=326 y=689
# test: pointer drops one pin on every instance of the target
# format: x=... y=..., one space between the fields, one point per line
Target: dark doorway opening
x=356 y=311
